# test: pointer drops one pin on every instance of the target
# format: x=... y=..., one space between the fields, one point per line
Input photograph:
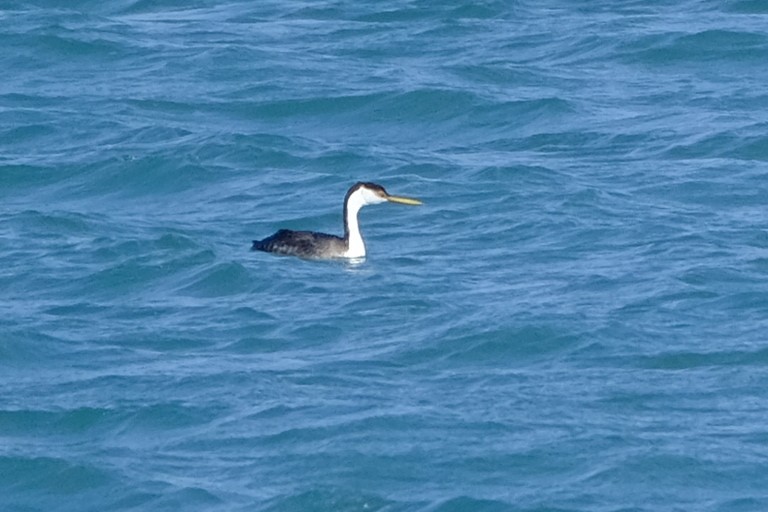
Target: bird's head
x=364 y=193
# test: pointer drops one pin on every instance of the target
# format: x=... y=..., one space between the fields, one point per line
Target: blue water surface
x=575 y=320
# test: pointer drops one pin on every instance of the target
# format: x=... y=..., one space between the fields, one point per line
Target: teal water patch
x=322 y=499
x=46 y=480
x=574 y=319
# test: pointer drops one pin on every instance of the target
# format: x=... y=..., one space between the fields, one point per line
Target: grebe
x=311 y=245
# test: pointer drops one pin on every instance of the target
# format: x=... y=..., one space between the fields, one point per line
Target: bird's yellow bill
x=404 y=200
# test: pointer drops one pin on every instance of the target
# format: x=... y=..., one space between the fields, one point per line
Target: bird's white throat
x=359 y=198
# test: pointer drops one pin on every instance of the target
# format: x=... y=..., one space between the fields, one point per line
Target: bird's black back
x=304 y=244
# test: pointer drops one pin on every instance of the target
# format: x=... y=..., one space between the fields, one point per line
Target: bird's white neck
x=356 y=199
x=355 y=243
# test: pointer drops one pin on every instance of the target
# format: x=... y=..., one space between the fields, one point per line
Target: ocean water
x=575 y=320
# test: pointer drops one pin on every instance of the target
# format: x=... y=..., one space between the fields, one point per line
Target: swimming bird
x=311 y=245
